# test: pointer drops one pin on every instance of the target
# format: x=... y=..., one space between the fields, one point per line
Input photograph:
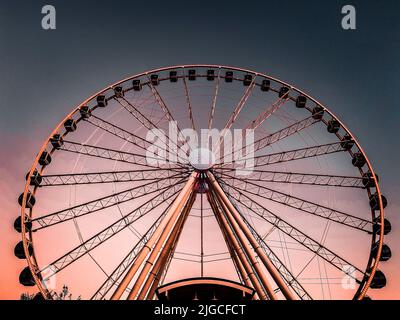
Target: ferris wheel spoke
x=241 y=104
x=285 y=273
x=250 y=205
x=118 y=132
x=268 y=112
x=287 y=156
x=160 y=101
x=165 y=196
x=146 y=122
x=214 y=102
x=114 y=155
x=237 y=111
x=297 y=178
x=286 y=132
x=96 y=205
x=281 y=134
x=122 y=134
x=300 y=204
x=127 y=261
x=130 y=108
x=189 y=102
x=106 y=177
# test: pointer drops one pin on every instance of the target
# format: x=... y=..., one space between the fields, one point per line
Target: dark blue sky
x=98 y=42
x=44 y=74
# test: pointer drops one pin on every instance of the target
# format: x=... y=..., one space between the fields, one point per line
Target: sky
x=44 y=74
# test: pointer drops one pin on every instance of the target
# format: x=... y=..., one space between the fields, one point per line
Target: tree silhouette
x=64 y=294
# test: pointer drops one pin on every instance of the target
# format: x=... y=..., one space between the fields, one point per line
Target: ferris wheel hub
x=202 y=159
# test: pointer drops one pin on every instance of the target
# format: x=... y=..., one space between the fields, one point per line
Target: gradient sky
x=44 y=74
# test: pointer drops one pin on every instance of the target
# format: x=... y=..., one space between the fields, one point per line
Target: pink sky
x=21 y=151
x=12 y=182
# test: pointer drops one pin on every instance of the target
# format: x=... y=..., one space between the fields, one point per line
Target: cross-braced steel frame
x=171 y=189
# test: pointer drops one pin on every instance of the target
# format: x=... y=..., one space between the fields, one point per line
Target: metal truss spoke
x=278 y=135
x=300 y=204
x=291 y=155
x=236 y=112
x=103 y=203
x=118 y=132
x=240 y=105
x=269 y=111
x=214 y=103
x=128 y=106
x=299 y=178
x=145 y=121
x=165 y=109
x=189 y=103
x=164 y=197
x=106 y=177
x=251 y=206
x=160 y=101
x=284 y=133
x=112 y=154
x=128 y=260
x=124 y=135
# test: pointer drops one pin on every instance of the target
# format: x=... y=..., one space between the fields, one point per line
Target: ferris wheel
x=282 y=204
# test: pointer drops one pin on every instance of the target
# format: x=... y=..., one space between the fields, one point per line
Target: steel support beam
x=167 y=224
x=248 y=258
x=172 y=223
x=238 y=224
x=167 y=249
x=237 y=254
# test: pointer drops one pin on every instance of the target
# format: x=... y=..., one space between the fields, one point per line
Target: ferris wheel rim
x=31 y=259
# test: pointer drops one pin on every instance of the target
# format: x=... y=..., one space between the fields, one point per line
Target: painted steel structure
x=177 y=185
